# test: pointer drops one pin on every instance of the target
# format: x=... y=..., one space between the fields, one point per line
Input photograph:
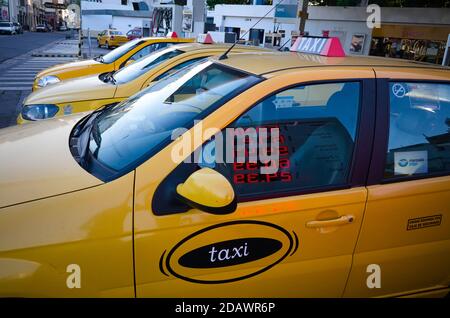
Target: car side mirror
x=209 y=191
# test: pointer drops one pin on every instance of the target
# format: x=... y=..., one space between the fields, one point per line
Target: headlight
x=46 y=80
x=37 y=112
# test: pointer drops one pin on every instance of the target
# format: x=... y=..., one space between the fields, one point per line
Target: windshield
x=130 y=132
x=120 y=51
x=141 y=66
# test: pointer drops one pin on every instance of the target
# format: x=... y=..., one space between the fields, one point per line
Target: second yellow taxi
x=114 y=60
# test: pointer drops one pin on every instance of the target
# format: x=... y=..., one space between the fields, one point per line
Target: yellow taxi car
x=114 y=60
x=111 y=38
x=89 y=93
x=137 y=199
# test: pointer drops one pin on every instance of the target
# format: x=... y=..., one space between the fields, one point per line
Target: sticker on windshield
x=398 y=90
x=284 y=102
x=410 y=162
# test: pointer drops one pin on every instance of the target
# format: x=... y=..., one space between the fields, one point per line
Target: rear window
x=419 y=130
x=116 y=33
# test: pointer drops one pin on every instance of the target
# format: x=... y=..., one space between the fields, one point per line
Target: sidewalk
x=61 y=48
x=70 y=48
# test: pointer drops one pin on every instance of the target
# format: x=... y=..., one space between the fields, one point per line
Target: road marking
x=14 y=89
x=17 y=83
x=16 y=78
x=19 y=71
x=21 y=76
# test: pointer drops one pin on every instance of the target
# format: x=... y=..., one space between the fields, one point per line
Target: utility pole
x=303 y=16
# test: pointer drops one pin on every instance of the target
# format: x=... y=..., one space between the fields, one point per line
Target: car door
x=405 y=236
x=294 y=230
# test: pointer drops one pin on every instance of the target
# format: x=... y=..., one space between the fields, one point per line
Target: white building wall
x=125 y=24
x=107 y=4
x=96 y=23
x=99 y=22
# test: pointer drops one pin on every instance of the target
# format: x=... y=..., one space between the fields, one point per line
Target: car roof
x=265 y=62
x=188 y=47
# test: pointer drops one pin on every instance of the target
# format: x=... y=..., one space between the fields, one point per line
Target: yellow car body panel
x=91 y=67
x=107 y=228
x=321 y=267
x=83 y=228
x=50 y=168
x=405 y=255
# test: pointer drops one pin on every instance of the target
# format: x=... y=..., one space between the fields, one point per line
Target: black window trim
x=381 y=141
x=359 y=165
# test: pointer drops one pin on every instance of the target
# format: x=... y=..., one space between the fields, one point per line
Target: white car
x=7 y=27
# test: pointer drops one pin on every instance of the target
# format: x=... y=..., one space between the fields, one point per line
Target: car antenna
x=288 y=40
x=224 y=55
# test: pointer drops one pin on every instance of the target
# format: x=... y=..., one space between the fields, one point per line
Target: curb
x=53 y=55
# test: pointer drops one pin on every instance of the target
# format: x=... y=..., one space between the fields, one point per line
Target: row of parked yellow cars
x=114 y=186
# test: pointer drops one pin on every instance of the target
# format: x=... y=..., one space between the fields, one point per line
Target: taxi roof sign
x=330 y=47
x=205 y=38
x=173 y=35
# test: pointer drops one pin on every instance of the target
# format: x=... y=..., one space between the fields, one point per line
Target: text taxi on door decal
x=255 y=248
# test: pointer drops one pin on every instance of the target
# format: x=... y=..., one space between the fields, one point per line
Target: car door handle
x=342 y=220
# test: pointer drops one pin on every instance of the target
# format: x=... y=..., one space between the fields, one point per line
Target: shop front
x=412 y=42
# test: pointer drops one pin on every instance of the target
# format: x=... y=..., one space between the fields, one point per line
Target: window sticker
x=284 y=102
x=398 y=90
x=410 y=162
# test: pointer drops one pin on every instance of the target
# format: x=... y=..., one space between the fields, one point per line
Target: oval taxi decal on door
x=229 y=252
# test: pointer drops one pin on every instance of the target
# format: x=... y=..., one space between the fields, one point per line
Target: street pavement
x=20 y=76
x=14 y=45
x=17 y=71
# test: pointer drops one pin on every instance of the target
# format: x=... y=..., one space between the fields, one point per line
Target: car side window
x=149 y=49
x=317 y=127
x=419 y=134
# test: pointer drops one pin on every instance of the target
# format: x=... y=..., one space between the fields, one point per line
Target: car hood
x=36 y=162
x=73 y=90
x=73 y=66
